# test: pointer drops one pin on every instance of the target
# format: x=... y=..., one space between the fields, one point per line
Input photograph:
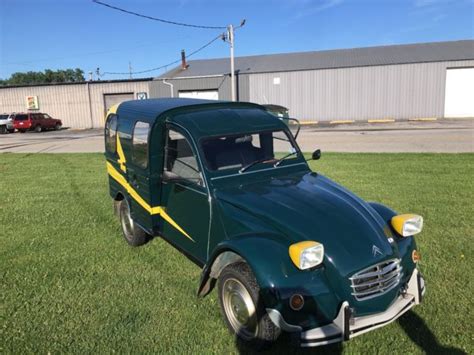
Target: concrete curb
x=423 y=119
x=371 y=121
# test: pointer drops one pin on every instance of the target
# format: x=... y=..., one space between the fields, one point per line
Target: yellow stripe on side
x=151 y=210
x=113 y=109
x=121 y=160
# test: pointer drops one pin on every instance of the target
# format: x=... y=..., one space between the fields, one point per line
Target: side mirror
x=316 y=154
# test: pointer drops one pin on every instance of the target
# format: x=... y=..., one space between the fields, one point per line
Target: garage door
x=200 y=94
x=459 y=100
x=113 y=99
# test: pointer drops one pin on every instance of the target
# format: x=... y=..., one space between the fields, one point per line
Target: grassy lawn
x=70 y=283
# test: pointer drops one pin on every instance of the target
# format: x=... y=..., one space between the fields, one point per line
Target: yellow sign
x=32 y=103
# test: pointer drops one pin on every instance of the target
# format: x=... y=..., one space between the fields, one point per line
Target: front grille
x=376 y=280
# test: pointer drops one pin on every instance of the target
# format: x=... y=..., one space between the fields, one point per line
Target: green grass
x=70 y=283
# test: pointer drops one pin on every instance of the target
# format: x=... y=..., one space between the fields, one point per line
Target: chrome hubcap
x=127 y=221
x=239 y=308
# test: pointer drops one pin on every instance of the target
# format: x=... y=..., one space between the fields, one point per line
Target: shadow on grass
x=414 y=326
x=285 y=345
x=421 y=335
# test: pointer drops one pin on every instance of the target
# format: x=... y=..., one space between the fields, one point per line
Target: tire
x=57 y=127
x=243 y=309
x=133 y=234
x=38 y=129
x=22 y=130
x=3 y=130
x=11 y=130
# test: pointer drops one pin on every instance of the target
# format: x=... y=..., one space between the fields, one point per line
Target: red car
x=35 y=121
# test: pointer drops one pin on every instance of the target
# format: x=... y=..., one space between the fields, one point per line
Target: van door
x=139 y=177
x=184 y=199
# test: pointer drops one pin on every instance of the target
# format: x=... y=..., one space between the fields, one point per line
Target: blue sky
x=58 y=34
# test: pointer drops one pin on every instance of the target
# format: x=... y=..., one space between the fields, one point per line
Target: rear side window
x=111 y=134
x=140 y=144
x=21 y=117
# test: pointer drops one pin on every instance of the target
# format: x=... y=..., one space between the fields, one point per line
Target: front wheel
x=38 y=129
x=133 y=234
x=243 y=309
x=57 y=127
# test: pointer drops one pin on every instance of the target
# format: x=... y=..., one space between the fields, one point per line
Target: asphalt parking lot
x=443 y=136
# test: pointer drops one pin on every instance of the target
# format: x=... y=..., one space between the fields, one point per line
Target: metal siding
x=98 y=92
x=70 y=103
x=392 y=91
x=221 y=83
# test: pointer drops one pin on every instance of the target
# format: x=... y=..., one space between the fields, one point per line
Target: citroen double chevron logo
x=376 y=251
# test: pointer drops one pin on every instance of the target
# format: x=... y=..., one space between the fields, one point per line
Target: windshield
x=240 y=150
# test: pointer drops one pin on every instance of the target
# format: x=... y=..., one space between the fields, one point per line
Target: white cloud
x=308 y=7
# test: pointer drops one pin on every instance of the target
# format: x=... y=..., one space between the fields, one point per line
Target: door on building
x=459 y=92
x=114 y=99
x=200 y=94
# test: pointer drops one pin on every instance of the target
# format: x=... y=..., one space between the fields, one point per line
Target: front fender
x=278 y=278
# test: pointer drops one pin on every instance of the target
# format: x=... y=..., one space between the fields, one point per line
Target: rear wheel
x=133 y=234
x=38 y=129
x=3 y=130
x=242 y=308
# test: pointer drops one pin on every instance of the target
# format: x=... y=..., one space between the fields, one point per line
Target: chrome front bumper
x=345 y=326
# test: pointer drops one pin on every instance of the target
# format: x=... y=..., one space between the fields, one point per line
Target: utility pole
x=130 y=69
x=230 y=34
x=230 y=39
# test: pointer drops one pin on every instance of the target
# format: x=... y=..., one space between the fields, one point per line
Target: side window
x=140 y=144
x=179 y=158
x=111 y=134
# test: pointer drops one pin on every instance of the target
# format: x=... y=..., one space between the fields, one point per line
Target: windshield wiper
x=265 y=160
x=286 y=156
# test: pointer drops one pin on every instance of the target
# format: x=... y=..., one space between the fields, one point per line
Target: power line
x=157 y=19
x=167 y=65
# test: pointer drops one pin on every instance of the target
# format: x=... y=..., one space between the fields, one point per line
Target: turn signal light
x=415 y=256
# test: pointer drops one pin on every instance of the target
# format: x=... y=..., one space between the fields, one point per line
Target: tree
x=46 y=77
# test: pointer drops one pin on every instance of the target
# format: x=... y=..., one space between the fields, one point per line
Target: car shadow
x=286 y=345
x=412 y=324
x=416 y=328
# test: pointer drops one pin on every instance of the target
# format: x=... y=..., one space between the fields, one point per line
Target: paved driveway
x=451 y=136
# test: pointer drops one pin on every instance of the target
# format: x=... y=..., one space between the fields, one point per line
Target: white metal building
x=78 y=105
x=399 y=82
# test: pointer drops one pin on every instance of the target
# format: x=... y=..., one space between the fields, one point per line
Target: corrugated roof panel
x=340 y=58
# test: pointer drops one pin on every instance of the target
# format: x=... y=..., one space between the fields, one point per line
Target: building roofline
x=95 y=82
x=176 y=73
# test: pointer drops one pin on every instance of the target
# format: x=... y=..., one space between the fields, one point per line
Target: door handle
x=134 y=181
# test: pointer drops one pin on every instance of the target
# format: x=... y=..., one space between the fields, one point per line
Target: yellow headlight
x=306 y=254
x=407 y=224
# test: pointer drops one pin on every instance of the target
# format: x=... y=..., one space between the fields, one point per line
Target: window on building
x=111 y=134
x=140 y=144
x=180 y=161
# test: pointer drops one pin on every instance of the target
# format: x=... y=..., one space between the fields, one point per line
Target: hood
x=309 y=206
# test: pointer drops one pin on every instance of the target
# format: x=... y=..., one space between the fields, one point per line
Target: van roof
x=209 y=117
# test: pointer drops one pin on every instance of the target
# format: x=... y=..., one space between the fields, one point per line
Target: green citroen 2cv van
x=289 y=249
